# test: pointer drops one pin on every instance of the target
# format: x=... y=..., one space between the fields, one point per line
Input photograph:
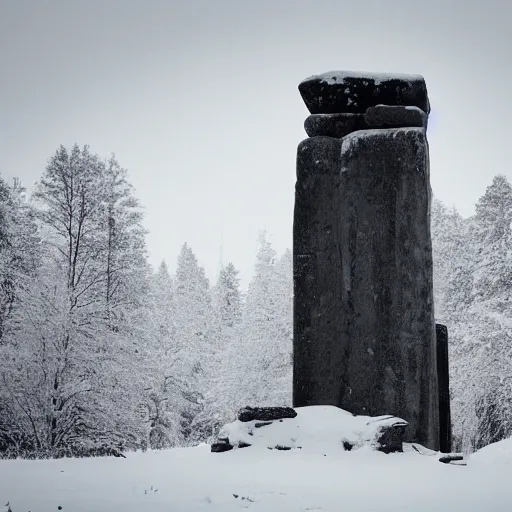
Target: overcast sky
x=199 y=100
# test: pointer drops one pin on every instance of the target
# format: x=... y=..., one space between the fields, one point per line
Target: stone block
x=352 y=92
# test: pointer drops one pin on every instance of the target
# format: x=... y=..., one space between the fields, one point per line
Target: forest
x=100 y=353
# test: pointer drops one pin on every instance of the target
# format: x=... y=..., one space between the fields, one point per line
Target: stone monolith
x=364 y=330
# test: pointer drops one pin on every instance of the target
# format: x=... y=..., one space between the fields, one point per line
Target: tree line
x=473 y=297
x=101 y=353
x=98 y=352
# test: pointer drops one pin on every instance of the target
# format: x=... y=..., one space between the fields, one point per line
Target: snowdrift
x=196 y=480
x=322 y=476
x=496 y=453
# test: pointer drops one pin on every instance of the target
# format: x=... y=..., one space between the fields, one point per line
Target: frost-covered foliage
x=267 y=331
x=19 y=247
x=69 y=353
x=98 y=353
x=226 y=350
x=473 y=285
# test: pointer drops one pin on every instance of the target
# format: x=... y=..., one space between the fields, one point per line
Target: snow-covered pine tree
x=449 y=251
x=228 y=297
x=164 y=304
x=222 y=369
x=492 y=292
x=283 y=349
x=193 y=324
x=453 y=256
x=473 y=267
x=163 y=398
x=266 y=331
x=126 y=269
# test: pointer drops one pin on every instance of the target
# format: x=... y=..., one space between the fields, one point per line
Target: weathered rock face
x=364 y=332
x=334 y=125
x=391 y=439
x=445 y=421
x=385 y=116
x=221 y=445
x=380 y=116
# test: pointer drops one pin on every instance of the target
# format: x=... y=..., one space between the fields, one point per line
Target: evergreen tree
x=449 y=250
x=193 y=315
x=283 y=349
x=493 y=270
x=163 y=399
x=472 y=270
x=163 y=286
x=124 y=253
x=267 y=330
x=228 y=297
x=492 y=300
x=222 y=369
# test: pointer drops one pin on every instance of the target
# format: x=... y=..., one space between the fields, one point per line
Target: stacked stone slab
x=364 y=331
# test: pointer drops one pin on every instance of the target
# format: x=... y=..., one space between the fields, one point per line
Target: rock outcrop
x=364 y=331
x=318 y=429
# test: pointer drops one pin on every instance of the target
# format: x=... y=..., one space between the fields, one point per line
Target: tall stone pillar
x=364 y=331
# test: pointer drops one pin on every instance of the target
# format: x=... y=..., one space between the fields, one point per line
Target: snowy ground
x=318 y=477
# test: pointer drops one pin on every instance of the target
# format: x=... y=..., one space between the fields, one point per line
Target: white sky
x=199 y=100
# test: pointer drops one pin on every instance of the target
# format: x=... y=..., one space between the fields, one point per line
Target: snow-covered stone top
x=361 y=134
x=336 y=77
x=337 y=92
x=406 y=107
x=349 y=139
x=416 y=109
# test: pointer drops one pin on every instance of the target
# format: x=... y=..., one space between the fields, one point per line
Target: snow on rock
x=336 y=77
x=408 y=107
x=361 y=134
x=351 y=141
x=315 y=429
x=348 y=91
